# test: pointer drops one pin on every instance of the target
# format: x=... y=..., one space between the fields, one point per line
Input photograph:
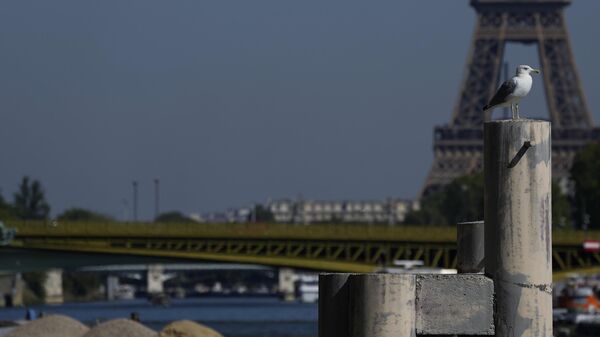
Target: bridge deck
x=348 y=248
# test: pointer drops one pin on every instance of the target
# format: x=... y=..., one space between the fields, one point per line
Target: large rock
x=50 y=326
x=120 y=328
x=186 y=328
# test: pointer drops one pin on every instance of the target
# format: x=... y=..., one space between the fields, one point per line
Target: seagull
x=511 y=91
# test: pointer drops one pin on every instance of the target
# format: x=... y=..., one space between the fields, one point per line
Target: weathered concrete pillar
x=53 y=287
x=382 y=305
x=518 y=234
x=333 y=305
x=470 y=247
x=287 y=287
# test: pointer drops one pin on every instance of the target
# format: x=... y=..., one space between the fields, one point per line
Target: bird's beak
x=537 y=71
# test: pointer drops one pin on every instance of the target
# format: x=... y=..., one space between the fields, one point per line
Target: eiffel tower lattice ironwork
x=458 y=145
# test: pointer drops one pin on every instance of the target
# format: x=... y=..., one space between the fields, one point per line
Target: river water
x=232 y=317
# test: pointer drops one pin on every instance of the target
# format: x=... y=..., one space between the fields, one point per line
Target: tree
x=585 y=173
x=561 y=207
x=82 y=285
x=80 y=214
x=261 y=213
x=459 y=201
x=35 y=282
x=462 y=200
x=172 y=217
x=429 y=212
x=7 y=211
x=30 y=202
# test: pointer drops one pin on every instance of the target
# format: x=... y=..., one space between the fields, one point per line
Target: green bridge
x=330 y=247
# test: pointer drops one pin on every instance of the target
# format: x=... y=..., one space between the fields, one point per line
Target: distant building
x=232 y=215
x=391 y=211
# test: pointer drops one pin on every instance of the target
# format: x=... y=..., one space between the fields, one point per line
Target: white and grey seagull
x=511 y=91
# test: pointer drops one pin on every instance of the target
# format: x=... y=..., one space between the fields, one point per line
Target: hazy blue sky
x=233 y=102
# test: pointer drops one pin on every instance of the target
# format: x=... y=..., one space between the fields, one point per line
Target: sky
x=235 y=102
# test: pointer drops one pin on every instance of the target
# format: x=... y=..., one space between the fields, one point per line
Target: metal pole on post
x=470 y=247
x=518 y=233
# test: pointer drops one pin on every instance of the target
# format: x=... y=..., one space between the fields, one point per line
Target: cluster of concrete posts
x=504 y=281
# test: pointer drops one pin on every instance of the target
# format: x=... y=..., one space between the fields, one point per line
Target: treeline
x=462 y=200
x=29 y=203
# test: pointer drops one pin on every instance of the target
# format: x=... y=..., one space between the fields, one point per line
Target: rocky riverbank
x=64 y=326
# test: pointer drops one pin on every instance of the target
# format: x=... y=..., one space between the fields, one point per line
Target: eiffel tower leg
x=566 y=100
x=479 y=84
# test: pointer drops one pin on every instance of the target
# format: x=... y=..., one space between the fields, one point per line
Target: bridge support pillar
x=155 y=279
x=287 y=288
x=112 y=286
x=11 y=290
x=53 y=287
x=518 y=225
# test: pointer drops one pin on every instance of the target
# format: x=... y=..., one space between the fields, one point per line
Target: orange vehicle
x=580 y=300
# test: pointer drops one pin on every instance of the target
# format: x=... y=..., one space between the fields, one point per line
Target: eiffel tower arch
x=458 y=145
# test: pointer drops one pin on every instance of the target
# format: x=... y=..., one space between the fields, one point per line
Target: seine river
x=232 y=317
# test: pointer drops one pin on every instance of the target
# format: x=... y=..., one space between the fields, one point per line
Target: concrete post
x=382 y=305
x=470 y=247
x=333 y=305
x=518 y=237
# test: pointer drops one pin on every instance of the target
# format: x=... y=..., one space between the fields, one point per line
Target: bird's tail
x=487 y=107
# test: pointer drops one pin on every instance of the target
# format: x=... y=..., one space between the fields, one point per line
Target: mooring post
x=518 y=233
x=470 y=247
x=333 y=305
x=382 y=305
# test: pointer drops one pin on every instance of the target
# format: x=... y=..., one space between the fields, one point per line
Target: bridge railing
x=345 y=232
x=341 y=232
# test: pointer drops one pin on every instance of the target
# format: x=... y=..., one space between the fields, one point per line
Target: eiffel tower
x=458 y=146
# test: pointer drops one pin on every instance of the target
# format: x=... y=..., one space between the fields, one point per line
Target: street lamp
x=135 y=197
x=156 y=197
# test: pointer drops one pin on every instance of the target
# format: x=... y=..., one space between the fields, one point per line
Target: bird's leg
x=512 y=109
x=517 y=108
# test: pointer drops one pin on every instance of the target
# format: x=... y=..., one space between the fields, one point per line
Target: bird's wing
x=505 y=89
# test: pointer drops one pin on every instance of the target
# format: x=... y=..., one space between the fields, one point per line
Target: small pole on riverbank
x=518 y=233
x=333 y=305
x=470 y=247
